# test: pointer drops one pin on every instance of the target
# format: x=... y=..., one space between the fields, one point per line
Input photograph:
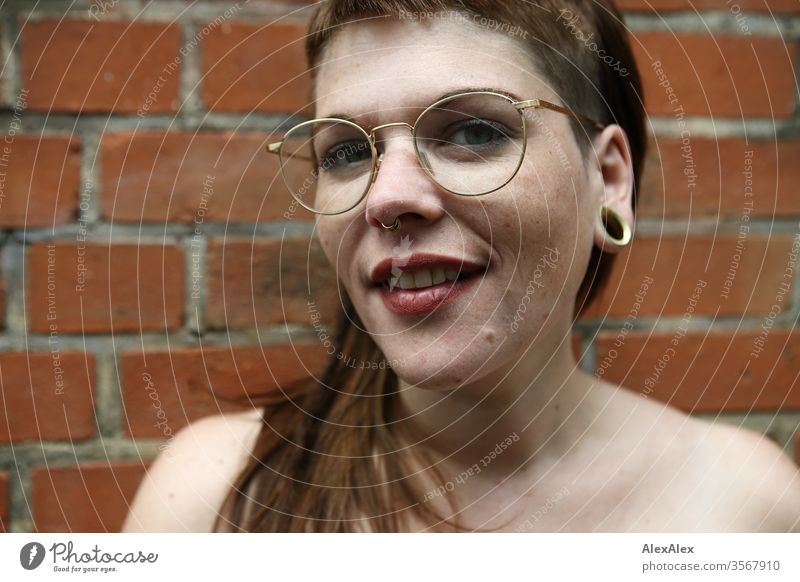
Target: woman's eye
x=344 y=154
x=477 y=133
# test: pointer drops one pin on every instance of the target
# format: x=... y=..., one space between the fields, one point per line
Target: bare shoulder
x=731 y=478
x=757 y=481
x=186 y=484
x=708 y=476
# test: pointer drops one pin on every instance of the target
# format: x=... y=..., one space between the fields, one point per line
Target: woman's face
x=535 y=234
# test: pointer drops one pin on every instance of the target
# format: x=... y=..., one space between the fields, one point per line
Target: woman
x=473 y=169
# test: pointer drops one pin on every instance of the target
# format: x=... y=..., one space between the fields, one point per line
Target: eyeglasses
x=470 y=144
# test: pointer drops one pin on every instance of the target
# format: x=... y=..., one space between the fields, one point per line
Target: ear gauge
x=615 y=227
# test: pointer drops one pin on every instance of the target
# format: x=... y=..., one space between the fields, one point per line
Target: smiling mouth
x=426 y=295
x=425 y=279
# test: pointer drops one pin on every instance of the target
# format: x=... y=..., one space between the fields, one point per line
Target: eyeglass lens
x=469 y=145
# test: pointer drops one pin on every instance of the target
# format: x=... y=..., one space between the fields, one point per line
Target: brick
x=711 y=373
x=46 y=396
x=717 y=75
x=91 y=497
x=39 y=180
x=108 y=66
x=5 y=502
x=720 y=180
x=678 y=264
x=165 y=390
x=264 y=282
x=144 y=290
x=255 y=67
x=692 y=5
x=158 y=177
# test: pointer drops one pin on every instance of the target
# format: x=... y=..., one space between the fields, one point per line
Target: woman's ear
x=613 y=158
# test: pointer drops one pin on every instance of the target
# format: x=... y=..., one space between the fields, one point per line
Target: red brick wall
x=145 y=277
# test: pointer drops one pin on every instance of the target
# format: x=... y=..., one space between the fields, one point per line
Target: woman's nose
x=400 y=187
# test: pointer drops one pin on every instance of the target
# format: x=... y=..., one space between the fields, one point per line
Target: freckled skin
x=538 y=207
x=629 y=447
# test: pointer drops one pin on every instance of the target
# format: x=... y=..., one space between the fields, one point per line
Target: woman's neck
x=511 y=418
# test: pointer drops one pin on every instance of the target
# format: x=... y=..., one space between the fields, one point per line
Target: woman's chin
x=435 y=377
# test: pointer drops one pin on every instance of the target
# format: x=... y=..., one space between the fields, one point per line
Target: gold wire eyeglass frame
x=520 y=106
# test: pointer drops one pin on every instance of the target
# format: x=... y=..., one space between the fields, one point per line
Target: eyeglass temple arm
x=541 y=103
x=275 y=148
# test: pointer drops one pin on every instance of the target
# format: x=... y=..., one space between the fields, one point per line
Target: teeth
x=406 y=281
x=423 y=279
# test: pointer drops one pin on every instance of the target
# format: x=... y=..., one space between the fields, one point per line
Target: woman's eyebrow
x=478 y=89
x=445 y=96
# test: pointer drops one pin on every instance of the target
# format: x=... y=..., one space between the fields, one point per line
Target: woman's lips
x=422 y=301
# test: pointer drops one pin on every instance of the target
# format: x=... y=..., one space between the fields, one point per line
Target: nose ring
x=394 y=226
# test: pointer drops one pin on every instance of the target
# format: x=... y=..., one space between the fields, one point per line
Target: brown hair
x=329 y=451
